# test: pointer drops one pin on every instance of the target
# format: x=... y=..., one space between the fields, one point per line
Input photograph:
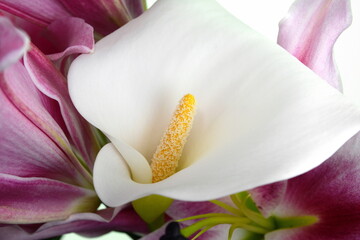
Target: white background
x=264 y=16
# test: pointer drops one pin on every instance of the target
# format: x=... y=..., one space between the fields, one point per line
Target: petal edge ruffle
x=14 y=43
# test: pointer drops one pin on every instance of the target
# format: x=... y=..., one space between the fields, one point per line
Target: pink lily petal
x=41 y=12
x=330 y=192
x=269 y=196
x=105 y=15
x=89 y=224
x=31 y=142
x=310 y=30
x=70 y=36
x=155 y=235
x=29 y=155
x=64 y=37
x=61 y=41
x=37 y=34
x=182 y=209
x=31 y=200
x=52 y=83
x=13 y=44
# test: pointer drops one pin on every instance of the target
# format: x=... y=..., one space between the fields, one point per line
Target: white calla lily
x=261 y=115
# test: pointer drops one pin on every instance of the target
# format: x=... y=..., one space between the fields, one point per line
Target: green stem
x=210 y=215
x=188 y=231
x=227 y=207
x=252 y=228
x=236 y=200
x=257 y=218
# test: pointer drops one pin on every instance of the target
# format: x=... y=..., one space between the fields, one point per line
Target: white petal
x=262 y=116
x=142 y=171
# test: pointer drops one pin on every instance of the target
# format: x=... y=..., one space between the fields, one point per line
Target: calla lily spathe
x=262 y=116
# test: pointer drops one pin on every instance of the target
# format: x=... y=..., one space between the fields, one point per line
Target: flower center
x=167 y=155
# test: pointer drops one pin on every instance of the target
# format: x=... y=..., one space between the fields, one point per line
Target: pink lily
x=61 y=41
x=47 y=150
x=45 y=145
x=58 y=29
x=329 y=193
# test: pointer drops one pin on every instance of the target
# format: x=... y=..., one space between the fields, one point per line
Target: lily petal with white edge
x=261 y=115
x=14 y=43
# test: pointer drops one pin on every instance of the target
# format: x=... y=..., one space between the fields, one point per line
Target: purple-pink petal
x=50 y=82
x=330 y=192
x=88 y=224
x=104 y=15
x=30 y=155
x=310 y=30
x=64 y=37
x=41 y=12
x=32 y=140
x=31 y=200
x=182 y=209
x=13 y=43
x=269 y=196
x=63 y=40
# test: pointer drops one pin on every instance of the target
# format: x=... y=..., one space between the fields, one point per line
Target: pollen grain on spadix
x=166 y=157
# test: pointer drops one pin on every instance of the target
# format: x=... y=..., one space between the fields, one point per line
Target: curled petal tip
x=14 y=43
x=309 y=32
